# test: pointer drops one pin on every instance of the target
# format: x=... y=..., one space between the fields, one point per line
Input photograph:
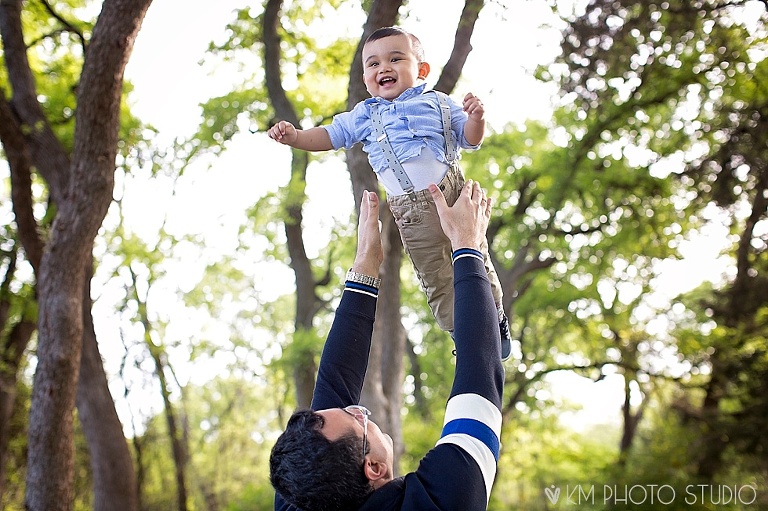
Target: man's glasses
x=361 y=414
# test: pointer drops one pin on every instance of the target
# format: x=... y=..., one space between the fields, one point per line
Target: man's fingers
x=439 y=198
x=476 y=191
x=369 y=205
x=365 y=206
x=373 y=203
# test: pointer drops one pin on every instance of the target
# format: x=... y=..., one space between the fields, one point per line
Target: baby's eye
x=373 y=64
x=395 y=59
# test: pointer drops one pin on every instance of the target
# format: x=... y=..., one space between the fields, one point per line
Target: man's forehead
x=337 y=423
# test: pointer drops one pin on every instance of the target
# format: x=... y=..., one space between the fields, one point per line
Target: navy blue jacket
x=457 y=474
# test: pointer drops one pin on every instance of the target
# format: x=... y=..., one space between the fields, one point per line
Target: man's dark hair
x=381 y=33
x=314 y=473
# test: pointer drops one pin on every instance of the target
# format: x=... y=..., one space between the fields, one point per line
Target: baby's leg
x=429 y=250
x=427 y=246
x=506 y=338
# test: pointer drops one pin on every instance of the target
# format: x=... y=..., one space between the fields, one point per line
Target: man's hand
x=369 y=252
x=466 y=221
x=283 y=132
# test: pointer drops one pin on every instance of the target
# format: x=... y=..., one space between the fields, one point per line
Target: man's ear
x=423 y=70
x=376 y=472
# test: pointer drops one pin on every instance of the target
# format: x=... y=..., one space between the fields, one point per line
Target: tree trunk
x=114 y=477
x=710 y=456
x=461 y=46
x=174 y=433
x=383 y=387
x=741 y=304
x=307 y=302
x=388 y=333
x=157 y=352
x=138 y=450
x=82 y=199
x=631 y=420
x=384 y=381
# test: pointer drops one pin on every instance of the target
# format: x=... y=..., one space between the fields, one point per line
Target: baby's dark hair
x=381 y=33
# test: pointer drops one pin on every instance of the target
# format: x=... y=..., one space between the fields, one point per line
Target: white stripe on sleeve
x=474 y=424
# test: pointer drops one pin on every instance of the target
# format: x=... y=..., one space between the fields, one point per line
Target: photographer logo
x=655 y=495
x=552 y=494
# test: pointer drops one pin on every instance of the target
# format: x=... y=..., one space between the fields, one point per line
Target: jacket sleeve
x=345 y=355
x=473 y=413
x=458 y=473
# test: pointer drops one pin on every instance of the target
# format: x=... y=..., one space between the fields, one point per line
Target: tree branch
x=461 y=46
x=69 y=27
x=21 y=183
x=46 y=153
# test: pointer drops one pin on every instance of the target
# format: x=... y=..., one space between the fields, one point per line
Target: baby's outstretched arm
x=474 y=129
x=313 y=139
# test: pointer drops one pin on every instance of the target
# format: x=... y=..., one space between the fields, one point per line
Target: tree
x=680 y=81
x=79 y=173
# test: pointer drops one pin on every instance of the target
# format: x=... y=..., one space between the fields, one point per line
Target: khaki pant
x=429 y=248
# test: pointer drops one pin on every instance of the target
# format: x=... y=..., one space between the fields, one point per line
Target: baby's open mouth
x=386 y=80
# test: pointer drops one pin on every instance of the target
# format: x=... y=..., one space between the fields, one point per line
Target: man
x=333 y=457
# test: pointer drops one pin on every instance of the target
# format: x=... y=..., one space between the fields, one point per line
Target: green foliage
x=302 y=344
x=666 y=90
x=539 y=451
x=223 y=115
x=253 y=498
x=237 y=435
x=315 y=75
x=664 y=455
x=12 y=498
x=230 y=437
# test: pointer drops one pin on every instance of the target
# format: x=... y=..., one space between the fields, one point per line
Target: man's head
x=393 y=61
x=318 y=462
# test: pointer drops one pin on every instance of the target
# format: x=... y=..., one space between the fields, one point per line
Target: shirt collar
x=407 y=94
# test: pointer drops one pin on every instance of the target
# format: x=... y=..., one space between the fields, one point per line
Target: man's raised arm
x=344 y=361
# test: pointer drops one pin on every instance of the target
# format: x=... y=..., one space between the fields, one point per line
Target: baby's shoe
x=506 y=339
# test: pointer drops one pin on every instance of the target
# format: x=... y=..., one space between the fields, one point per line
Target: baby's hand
x=474 y=107
x=283 y=132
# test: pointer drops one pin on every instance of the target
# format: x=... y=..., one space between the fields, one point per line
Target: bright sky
x=170 y=83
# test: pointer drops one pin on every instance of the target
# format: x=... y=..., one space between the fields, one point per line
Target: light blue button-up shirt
x=412 y=121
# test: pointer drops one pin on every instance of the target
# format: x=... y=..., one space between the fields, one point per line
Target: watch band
x=353 y=276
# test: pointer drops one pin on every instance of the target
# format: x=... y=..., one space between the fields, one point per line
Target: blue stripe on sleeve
x=475 y=429
x=467 y=252
x=361 y=288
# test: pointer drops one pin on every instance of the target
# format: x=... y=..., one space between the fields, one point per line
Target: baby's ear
x=423 y=70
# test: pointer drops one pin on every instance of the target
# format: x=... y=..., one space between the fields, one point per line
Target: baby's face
x=390 y=66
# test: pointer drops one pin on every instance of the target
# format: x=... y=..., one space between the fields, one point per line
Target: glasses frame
x=361 y=414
